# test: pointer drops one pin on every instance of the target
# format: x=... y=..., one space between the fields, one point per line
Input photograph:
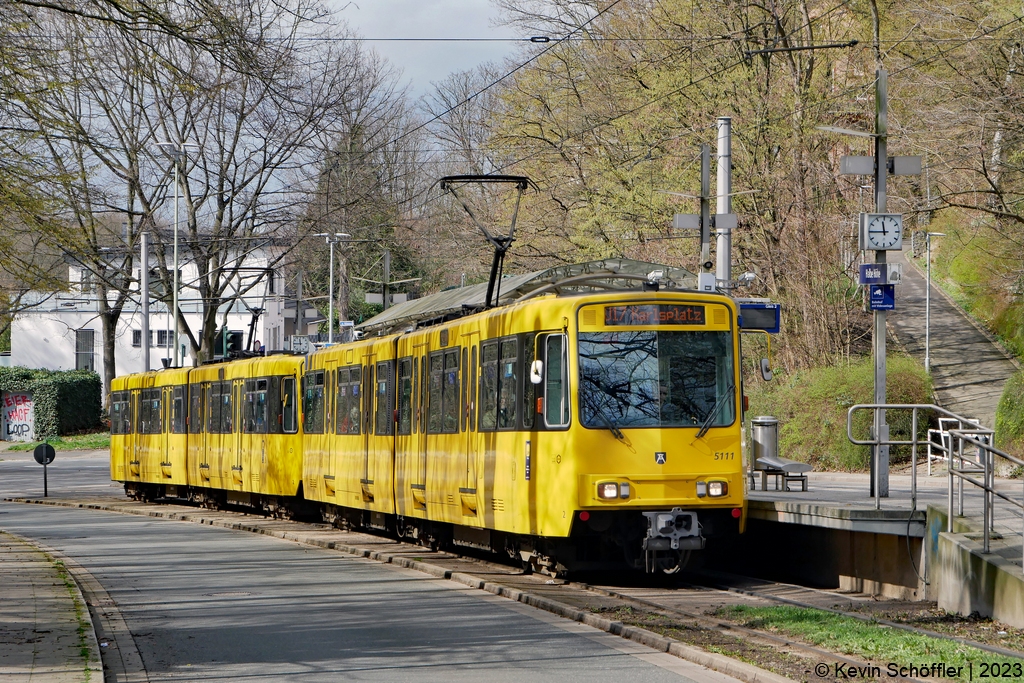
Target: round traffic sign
x=44 y=454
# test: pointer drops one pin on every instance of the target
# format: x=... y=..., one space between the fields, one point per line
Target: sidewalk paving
x=46 y=635
x=968 y=369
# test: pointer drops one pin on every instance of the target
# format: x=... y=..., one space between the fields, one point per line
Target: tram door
x=235 y=437
x=418 y=448
x=369 y=392
x=467 y=487
x=326 y=454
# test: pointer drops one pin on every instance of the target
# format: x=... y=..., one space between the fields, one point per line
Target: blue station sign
x=874 y=274
x=882 y=297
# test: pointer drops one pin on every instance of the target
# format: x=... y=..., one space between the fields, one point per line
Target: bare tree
x=101 y=106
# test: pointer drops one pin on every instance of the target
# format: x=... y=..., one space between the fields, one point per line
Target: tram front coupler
x=673 y=530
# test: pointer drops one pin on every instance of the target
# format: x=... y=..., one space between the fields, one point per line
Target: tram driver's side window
x=556 y=381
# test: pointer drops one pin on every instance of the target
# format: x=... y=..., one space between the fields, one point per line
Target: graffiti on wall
x=19 y=419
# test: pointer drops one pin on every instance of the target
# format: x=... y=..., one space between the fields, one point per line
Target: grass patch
x=72 y=442
x=871 y=641
x=82 y=630
x=811 y=406
x=1010 y=417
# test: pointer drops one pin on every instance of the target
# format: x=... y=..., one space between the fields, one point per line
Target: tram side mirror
x=766 y=370
x=537 y=372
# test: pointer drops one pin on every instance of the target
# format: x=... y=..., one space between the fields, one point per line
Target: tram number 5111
x=725 y=455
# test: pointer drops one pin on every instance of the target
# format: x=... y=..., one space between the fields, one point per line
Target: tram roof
x=592 y=276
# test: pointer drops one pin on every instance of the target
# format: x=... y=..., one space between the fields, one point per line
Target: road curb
x=716 y=662
x=94 y=664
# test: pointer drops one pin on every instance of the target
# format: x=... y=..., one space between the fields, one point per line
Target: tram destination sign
x=654 y=314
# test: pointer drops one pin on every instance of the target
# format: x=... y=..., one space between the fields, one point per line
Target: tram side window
x=219 y=400
x=254 y=406
x=529 y=388
x=421 y=397
x=434 y=393
x=347 y=402
x=471 y=382
x=450 y=393
x=195 y=408
x=120 y=412
x=556 y=381
x=313 y=403
x=405 y=396
x=275 y=419
x=488 y=387
x=507 y=392
x=178 y=409
x=385 y=411
x=289 y=417
x=150 y=415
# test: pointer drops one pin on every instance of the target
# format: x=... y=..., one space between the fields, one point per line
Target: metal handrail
x=961 y=465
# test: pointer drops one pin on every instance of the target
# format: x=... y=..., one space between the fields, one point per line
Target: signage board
x=761 y=316
x=881 y=297
x=881 y=274
x=873 y=274
x=654 y=314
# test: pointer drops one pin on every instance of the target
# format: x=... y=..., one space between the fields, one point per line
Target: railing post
x=913 y=460
x=960 y=480
x=949 y=507
x=986 y=510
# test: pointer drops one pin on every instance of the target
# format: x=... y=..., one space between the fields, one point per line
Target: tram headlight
x=717 y=489
x=608 y=490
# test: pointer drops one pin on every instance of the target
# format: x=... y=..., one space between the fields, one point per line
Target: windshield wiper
x=616 y=432
x=714 y=412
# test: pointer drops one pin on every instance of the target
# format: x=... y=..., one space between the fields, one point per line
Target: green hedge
x=1010 y=416
x=64 y=401
x=811 y=406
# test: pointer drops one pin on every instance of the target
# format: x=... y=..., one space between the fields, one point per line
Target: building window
x=137 y=338
x=163 y=338
x=84 y=357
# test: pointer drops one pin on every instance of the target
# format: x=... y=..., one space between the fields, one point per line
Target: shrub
x=64 y=401
x=1010 y=416
x=812 y=407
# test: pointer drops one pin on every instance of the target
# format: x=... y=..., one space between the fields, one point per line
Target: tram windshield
x=656 y=379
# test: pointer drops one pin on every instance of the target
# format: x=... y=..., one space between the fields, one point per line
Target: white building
x=63 y=331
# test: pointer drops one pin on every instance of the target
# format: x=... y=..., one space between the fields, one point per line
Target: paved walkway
x=46 y=635
x=968 y=370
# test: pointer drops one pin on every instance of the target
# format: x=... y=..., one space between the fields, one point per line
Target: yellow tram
x=590 y=420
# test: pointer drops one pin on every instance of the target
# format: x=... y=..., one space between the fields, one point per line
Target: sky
x=426 y=62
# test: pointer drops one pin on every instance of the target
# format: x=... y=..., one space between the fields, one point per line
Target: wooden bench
x=788 y=471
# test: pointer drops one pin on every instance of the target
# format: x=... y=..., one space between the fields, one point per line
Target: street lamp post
x=177 y=155
x=928 y=300
x=332 y=238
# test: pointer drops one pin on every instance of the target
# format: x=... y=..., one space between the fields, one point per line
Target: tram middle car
x=574 y=432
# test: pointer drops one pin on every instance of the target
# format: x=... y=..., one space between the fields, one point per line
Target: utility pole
x=705 y=206
x=385 y=285
x=723 y=231
x=880 y=232
x=881 y=459
x=144 y=296
x=299 y=303
x=723 y=222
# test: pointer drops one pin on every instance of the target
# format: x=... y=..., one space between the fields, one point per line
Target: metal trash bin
x=764 y=436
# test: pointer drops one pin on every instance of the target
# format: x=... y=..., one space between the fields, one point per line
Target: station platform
x=832 y=534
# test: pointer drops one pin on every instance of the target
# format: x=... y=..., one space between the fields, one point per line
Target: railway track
x=684 y=612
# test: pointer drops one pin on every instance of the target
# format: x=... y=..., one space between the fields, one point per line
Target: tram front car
x=657 y=434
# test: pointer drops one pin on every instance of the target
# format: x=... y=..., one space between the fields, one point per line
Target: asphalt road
x=72 y=474
x=205 y=603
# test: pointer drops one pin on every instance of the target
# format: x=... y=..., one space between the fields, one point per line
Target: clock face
x=884 y=231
